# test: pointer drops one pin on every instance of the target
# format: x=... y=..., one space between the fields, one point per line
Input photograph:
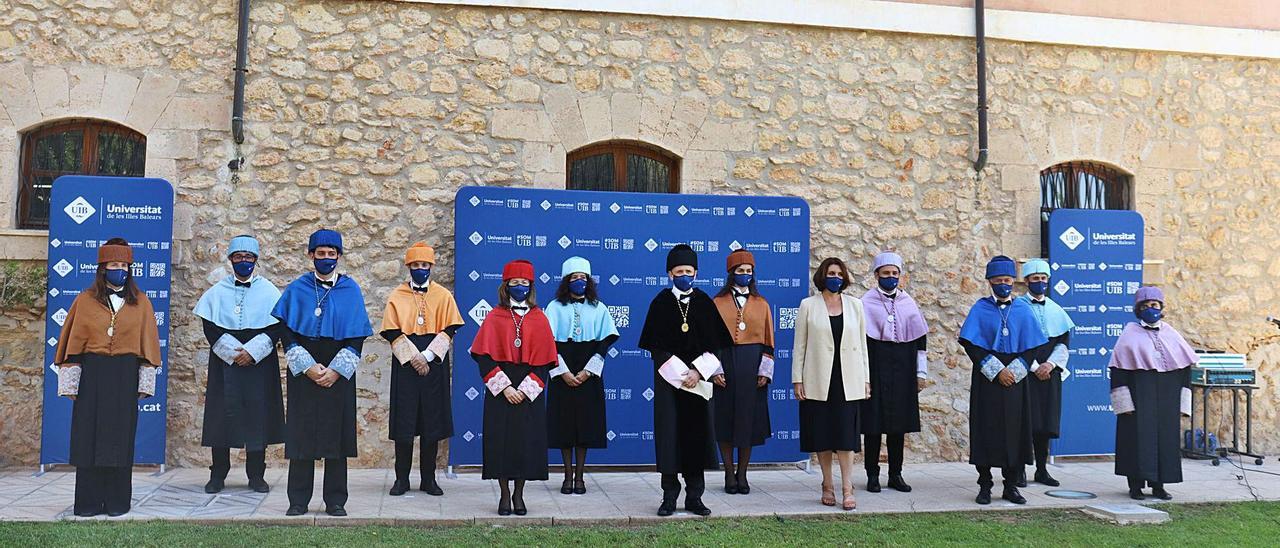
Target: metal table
x=1204 y=454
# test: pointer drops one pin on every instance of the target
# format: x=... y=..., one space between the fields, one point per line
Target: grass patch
x=1234 y=524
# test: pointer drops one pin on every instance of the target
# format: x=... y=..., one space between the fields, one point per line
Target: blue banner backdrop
x=626 y=237
x=84 y=212
x=1096 y=256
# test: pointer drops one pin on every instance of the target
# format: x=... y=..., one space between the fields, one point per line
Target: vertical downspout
x=237 y=105
x=980 y=36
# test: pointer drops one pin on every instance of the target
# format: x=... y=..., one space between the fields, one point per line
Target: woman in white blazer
x=830 y=376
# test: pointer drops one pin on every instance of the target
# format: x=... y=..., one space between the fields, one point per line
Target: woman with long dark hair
x=741 y=403
x=513 y=349
x=108 y=355
x=584 y=331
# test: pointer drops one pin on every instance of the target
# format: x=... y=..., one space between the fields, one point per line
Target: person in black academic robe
x=683 y=332
x=998 y=336
x=326 y=323
x=244 y=405
x=513 y=350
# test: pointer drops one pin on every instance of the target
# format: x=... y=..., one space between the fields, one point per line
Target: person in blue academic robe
x=999 y=335
x=1046 y=380
x=243 y=404
x=326 y=323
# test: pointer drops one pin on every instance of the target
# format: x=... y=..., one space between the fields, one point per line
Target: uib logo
x=79 y=210
x=1072 y=237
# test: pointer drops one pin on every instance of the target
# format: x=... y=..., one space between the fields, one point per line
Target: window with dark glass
x=73 y=147
x=1081 y=185
x=623 y=166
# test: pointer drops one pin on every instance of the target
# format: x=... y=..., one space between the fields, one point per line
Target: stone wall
x=367 y=116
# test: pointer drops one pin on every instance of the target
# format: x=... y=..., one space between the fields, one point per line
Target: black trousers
x=1040 y=443
x=1008 y=473
x=302 y=479
x=255 y=465
x=871 y=453
x=104 y=489
x=426 y=459
x=694 y=485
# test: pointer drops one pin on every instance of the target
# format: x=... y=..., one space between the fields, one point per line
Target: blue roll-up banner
x=1096 y=257
x=626 y=236
x=85 y=212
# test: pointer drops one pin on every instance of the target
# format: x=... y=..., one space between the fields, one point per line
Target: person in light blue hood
x=1051 y=358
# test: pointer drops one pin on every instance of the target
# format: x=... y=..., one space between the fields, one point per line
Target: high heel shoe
x=850 y=503
x=828 y=495
x=744 y=488
x=504 y=506
x=517 y=505
x=730 y=484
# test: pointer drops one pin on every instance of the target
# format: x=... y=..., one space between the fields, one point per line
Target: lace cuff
x=226 y=348
x=299 y=360
x=922 y=364
x=1060 y=356
x=345 y=363
x=147 y=380
x=1122 y=401
x=497 y=381
x=1184 y=403
x=707 y=365
x=439 y=347
x=404 y=350
x=260 y=347
x=766 y=367
x=69 y=381
x=560 y=368
x=531 y=386
x=595 y=365
x=1018 y=368
x=991 y=367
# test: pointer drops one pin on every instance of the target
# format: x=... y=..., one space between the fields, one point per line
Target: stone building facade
x=367 y=116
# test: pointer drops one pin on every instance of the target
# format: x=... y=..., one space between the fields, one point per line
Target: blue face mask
x=1002 y=291
x=243 y=268
x=420 y=275
x=325 y=266
x=888 y=284
x=1038 y=288
x=683 y=283
x=1150 y=315
x=117 y=277
x=578 y=287
x=742 y=280
x=518 y=293
x=834 y=284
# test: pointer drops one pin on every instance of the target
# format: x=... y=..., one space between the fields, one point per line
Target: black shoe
x=504 y=507
x=579 y=487
x=337 y=511
x=116 y=514
x=259 y=485
x=88 y=513
x=730 y=484
x=873 y=483
x=697 y=507
x=215 y=485
x=896 y=483
x=566 y=487
x=984 y=496
x=1043 y=478
x=744 y=488
x=518 y=507
x=1022 y=478
x=667 y=508
x=296 y=510
x=1161 y=494
x=1011 y=494
x=398 y=488
x=431 y=487
x=1136 y=494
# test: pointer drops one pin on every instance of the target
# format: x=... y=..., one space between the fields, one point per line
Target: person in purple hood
x=1150 y=373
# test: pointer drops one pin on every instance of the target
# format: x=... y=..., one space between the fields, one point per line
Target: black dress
x=421 y=405
x=515 y=436
x=576 y=416
x=104 y=416
x=894 y=405
x=742 y=408
x=244 y=406
x=1046 y=395
x=321 y=421
x=999 y=425
x=832 y=425
x=1148 y=439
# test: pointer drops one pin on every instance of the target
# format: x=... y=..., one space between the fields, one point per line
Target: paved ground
x=617 y=498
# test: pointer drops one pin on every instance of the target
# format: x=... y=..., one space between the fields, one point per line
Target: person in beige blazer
x=830 y=376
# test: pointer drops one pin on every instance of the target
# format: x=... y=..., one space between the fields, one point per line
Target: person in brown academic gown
x=684 y=333
x=420 y=322
x=514 y=349
x=741 y=399
x=108 y=356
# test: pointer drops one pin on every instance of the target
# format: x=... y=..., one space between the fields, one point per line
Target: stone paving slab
x=613 y=498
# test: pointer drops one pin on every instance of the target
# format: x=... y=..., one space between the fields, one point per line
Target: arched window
x=1081 y=185
x=624 y=166
x=73 y=147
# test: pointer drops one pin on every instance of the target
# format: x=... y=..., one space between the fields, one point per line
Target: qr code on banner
x=787 y=318
x=621 y=316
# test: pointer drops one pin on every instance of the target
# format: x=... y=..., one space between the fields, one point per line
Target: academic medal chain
x=684 y=314
x=111 y=328
x=422 y=308
x=742 y=321
x=1004 y=320
x=320 y=298
x=518 y=321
